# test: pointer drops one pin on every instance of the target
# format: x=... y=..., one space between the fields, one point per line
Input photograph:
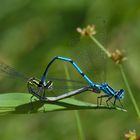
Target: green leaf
x=19 y=103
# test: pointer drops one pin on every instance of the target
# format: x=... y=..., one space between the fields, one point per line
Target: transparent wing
x=11 y=80
x=65 y=80
x=60 y=85
x=5 y=69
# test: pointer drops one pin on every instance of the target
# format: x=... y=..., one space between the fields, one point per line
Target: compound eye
x=104 y=84
x=121 y=90
x=121 y=93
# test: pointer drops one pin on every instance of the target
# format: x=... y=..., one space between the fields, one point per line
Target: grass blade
x=19 y=103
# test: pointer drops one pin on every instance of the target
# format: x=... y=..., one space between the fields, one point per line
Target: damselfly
x=108 y=91
x=38 y=87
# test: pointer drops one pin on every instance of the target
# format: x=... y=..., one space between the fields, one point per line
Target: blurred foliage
x=33 y=32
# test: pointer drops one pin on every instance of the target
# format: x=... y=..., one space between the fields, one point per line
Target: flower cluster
x=87 y=31
x=131 y=135
x=118 y=56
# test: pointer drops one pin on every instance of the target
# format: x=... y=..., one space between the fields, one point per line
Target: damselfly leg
x=99 y=99
x=109 y=97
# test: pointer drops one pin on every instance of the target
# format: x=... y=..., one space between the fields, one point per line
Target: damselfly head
x=49 y=85
x=104 y=84
x=120 y=94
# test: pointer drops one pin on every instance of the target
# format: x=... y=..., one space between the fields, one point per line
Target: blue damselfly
x=108 y=91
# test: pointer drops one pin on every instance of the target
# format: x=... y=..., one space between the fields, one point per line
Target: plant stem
x=129 y=91
x=79 y=126
x=77 y=116
x=100 y=46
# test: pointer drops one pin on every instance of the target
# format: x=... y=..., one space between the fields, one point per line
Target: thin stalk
x=100 y=46
x=122 y=73
x=79 y=126
x=129 y=91
x=81 y=135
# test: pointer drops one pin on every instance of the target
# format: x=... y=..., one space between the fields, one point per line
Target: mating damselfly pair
x=40 y=87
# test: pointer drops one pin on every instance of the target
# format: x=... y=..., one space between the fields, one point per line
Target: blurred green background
x=33 y=32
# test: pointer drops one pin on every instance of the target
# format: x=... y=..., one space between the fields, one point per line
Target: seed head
x=87 y=31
